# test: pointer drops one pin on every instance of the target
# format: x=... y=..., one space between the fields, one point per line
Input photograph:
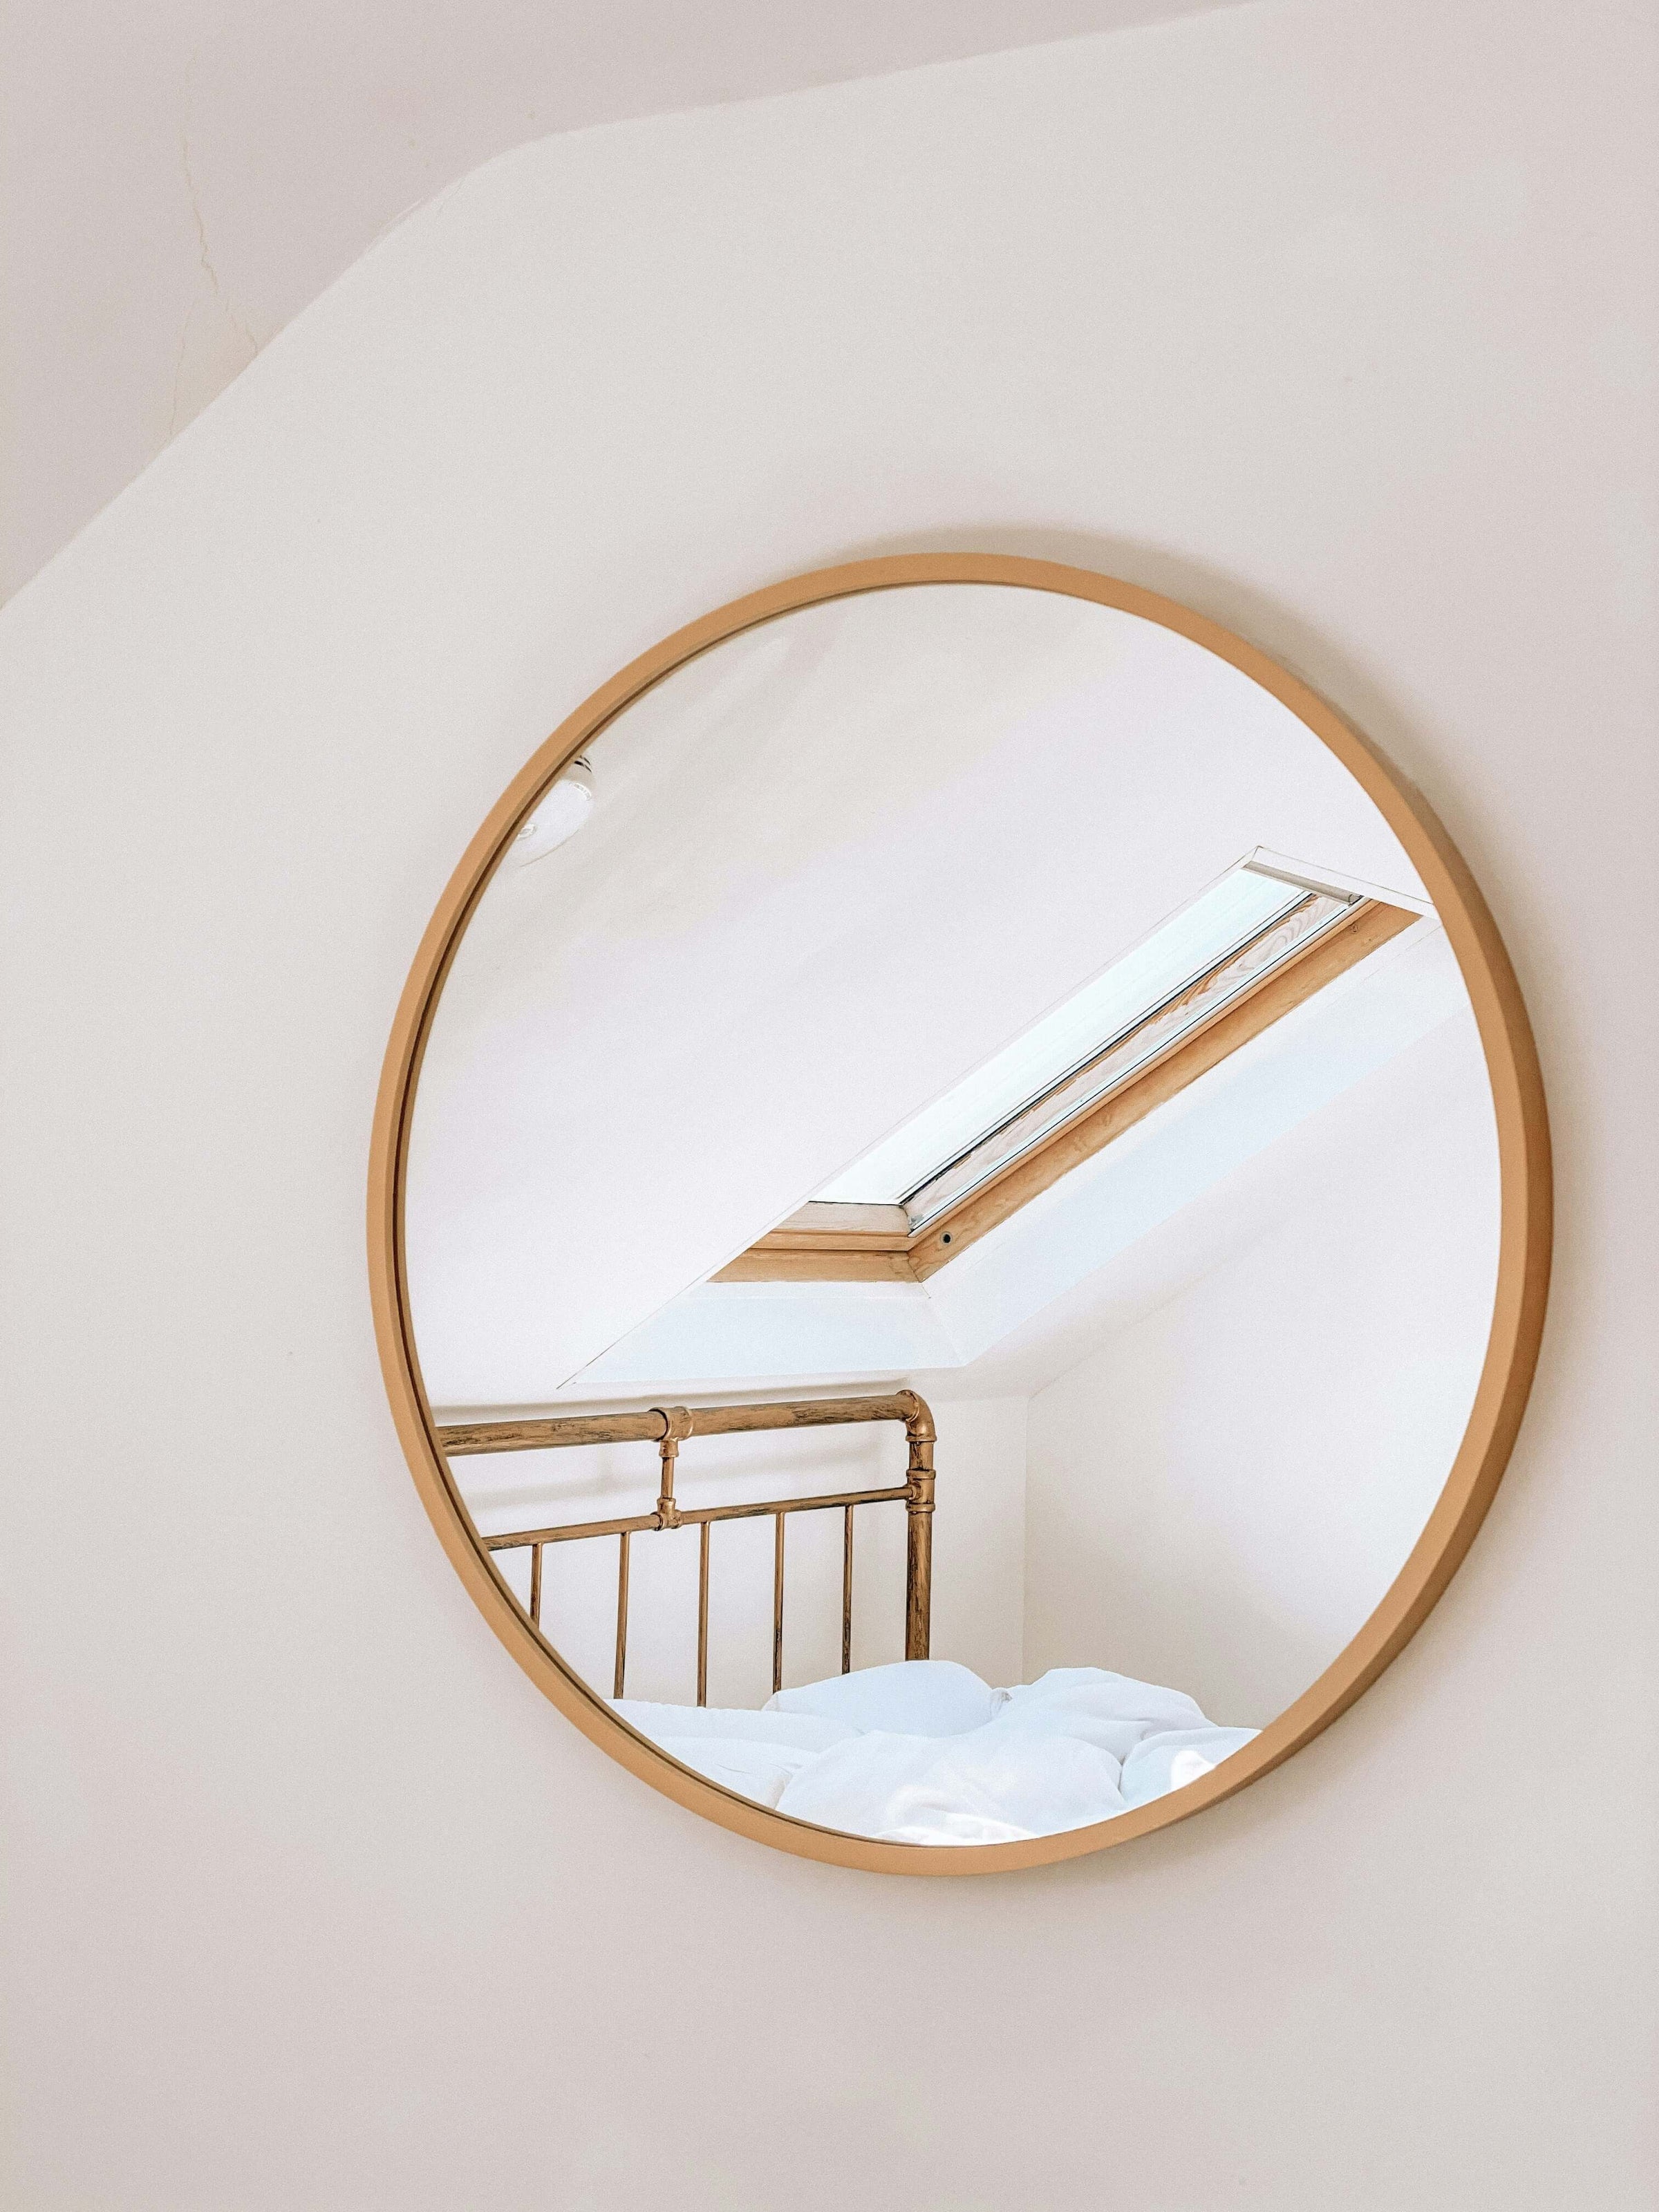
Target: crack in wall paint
x=232 y=321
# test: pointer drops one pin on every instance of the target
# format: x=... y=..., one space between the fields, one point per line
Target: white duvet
x=923 y=1751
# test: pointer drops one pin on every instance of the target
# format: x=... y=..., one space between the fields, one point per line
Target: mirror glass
x=972 y=1051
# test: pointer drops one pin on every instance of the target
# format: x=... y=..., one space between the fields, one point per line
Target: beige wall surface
x=1336 y=321
x=179 y=180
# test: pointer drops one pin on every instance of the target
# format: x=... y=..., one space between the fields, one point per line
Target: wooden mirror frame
x=1523 y=1250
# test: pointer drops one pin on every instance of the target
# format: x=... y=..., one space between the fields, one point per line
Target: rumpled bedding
x=924 y=1751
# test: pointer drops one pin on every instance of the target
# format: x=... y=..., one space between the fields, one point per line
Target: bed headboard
x=668 y=1427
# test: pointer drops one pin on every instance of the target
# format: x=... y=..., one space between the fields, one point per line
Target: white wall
x=1334 y=319
x=1220 y=1494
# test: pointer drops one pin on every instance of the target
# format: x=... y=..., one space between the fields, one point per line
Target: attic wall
x=1220 y=1495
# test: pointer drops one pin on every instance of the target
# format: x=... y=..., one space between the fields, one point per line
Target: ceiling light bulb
x=564 y=806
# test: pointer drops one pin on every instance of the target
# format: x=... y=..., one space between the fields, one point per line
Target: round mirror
x=959 y=1214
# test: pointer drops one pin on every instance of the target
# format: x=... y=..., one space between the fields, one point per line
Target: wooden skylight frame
x=824 y=1243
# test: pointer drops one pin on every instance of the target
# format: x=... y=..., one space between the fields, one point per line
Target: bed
x=919 y=1751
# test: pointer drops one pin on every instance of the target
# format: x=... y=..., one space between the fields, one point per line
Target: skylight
x=1183 y=974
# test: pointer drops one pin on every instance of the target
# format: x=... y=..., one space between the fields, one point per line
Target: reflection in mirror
x=952 y=1212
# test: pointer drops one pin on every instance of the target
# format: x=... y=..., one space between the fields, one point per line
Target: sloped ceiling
x=833 y=865
x=179 y=180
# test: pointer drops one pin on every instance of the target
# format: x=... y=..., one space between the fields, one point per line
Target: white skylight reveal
x=1214 y=948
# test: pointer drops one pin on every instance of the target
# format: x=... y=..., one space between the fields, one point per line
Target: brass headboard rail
x=668 y=1427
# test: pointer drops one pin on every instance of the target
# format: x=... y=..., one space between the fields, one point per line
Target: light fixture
x=563 y=808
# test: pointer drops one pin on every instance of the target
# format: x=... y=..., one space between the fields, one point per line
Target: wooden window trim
x=835 y=1243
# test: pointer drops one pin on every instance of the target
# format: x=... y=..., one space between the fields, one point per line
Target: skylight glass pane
x=1226 y=915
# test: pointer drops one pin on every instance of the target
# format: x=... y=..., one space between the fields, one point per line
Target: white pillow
x=1122 y=1709
x=913 y=1697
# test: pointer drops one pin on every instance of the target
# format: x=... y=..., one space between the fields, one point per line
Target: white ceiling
x=179 y=180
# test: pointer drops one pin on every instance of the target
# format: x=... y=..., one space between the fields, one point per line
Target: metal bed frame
x=668 y=1427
